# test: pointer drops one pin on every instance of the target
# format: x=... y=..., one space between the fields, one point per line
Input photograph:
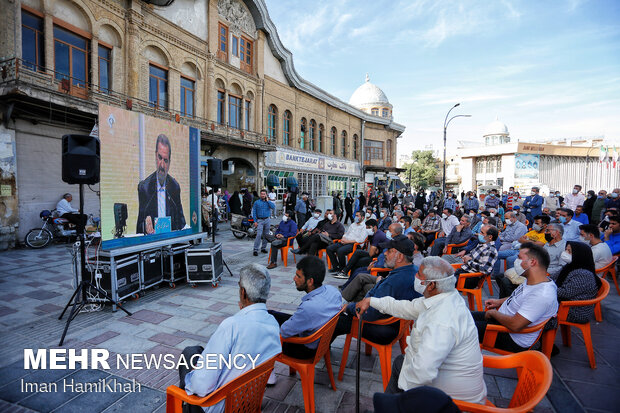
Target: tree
x=422 y=170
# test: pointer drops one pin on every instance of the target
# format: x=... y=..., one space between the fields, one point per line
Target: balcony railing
x=18 y=73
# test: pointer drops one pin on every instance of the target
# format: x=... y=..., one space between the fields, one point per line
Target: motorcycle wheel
x=239 y=234
x=38 y=238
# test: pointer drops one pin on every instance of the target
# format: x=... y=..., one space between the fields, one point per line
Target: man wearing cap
x=443 y=349
x=399 y=284
x=519 y=215
x=533 y=205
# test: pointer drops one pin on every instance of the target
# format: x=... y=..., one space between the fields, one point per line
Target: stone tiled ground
x=35 y=285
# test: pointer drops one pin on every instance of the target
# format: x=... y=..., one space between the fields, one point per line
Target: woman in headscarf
x=588 y=204
x=234 y=203
x=577 y=280
x=247 y=203
x=348 y=208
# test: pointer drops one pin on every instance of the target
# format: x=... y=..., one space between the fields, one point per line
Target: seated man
x=571 y=227
x=612 y=234
x=369 y=213
x=518 y=214
x=484 y=220
x=329 y=231
x=405 y=222
x=360 y=257
x=533 y=302
x=66 y=211
x=448 y=221
x=286 y=228
x=355 y=234
x=536 y=235
x=416 y=222
x=600 y=250
x=480 y=259
x=580 y=216
x=513 y=232
x=398 y=284
x=418 y=242
x=555 y=246
x=252 y=331
x=312 y=226
x=443 y=349
x=430 y=227
x=384 y=220
x=317 y=307
x=460 y=233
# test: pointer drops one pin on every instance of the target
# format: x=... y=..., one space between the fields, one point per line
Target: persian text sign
x=309 y=162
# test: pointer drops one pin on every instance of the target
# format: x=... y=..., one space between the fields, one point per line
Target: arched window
x=385 y=112
x=286 y=127
x=388 y=157
x=333 y=140
x=272 y=123
x=321 y=147
x=312 y=135
x=354 y=146
x=344 y=144
x=303 y=128
x=374 y=111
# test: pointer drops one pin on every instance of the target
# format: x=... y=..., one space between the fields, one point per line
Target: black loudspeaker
x=80 y=159
x=214 y=173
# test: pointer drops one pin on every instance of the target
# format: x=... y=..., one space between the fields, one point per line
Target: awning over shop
x=273 y=180
x=291 y=182
x=397 y=185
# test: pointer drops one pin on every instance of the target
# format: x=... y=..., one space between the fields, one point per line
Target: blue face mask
x=600 y=197
x=562 y=220
x=388 y=235
x=481 y=239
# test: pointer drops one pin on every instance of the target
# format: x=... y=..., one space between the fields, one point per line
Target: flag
x=602 y=154
x=615 y=157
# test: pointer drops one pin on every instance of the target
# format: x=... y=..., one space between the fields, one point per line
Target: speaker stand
x=79 y=298
x=213 y=224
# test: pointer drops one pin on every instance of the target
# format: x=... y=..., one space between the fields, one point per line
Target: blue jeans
x=262 y=230
x=509 y=255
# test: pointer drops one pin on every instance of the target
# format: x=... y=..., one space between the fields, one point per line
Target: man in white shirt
x=448 y=222
x=443 y=350
x=531 y=303
x=600 y=250
x=571 y=227
x=555 y=246
x=573 y=200
x=355 y=234
x=66 y=211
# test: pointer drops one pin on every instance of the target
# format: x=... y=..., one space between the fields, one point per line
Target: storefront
x=317 y=175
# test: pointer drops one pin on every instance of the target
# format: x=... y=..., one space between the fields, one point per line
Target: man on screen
x=159 y=194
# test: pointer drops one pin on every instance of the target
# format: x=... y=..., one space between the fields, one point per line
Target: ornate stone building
x=217 y=65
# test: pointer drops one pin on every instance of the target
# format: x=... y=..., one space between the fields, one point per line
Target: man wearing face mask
x=533 y=205
x=571 y=227
x=514 y=230
x=531 y=303
x=574 y=199
x=309 y=227
x=459 y=234
x=612 y=234
x=518 y=214
x=614 y=199
x=399 y=284
x=581 y=216
x=370 y=214
x=450 y=202
x=510 y=198
x=491 y=200
x=300 y=209
x=601 y=253
x=598 y=208
x=443 y=349
x=480 y=259
x=551 y=202
x=384 y=220
x=430 y=226
x=448 y=222
x=322 y=236
x=355 y=234
x=470 y=202
x=555 y=246
x=286 y=228
x=362 y=258
x=405 y=222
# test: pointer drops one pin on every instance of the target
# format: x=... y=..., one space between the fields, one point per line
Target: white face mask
x=284 y=218
x=444 y=216
x=566 y=258
x=492 y=214
x=402 y=224
x=418 y=286
x=471 y=214
x=357 y=219
x=518 y=267
x=388 y=235
x=536 y=227
x=330 y=216
x=575 y=191
x=367 y=214
x=370 y=232
x=382 y=215
x=317 y=216
x=584 y=240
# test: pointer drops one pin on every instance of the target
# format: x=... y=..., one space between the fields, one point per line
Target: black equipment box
x=151 y=272
x=120 y=275
x=174 y=263
x=204 y=263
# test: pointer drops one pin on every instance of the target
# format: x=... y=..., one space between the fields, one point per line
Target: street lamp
x=446 y=122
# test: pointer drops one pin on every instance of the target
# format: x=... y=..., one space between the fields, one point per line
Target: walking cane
x=357 y=368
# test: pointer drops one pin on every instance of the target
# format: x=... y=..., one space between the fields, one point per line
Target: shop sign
x=313 y=163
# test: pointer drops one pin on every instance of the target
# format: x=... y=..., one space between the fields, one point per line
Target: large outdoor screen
x=149 y=178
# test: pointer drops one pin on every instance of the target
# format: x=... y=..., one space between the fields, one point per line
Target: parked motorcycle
x=56 y=228
x=242 y=226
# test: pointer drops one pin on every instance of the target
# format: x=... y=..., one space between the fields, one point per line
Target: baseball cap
x=516 y=207
x=401 y=243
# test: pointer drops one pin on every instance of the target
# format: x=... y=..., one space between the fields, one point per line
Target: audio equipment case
x=151 y=268
x=174 y=263
x=120 y=275
x=204 y=263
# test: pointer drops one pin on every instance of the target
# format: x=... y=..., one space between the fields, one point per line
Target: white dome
x=369 y=95
x=496 y=128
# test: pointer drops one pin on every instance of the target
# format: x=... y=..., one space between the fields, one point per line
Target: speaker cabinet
x=80 y=159
x=214 y=173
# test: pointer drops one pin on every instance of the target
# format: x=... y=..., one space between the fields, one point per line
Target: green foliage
x=421 y=172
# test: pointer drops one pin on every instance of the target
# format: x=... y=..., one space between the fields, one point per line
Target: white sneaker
x=341 y=275
x=272 y=378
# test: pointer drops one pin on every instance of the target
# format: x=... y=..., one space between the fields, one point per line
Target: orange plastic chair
x=306 y=367
x=565 y=325
x=611 y=270
x=490 y=336
x=534 y=379
x=384 y=350
x=478 y=294
x=242 y=394
x=324 y=251
x=450 y=246
x=376 y=271
x=284 y=250
x=363 y=245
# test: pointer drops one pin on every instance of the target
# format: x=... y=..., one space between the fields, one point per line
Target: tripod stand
x=214 y=224
x=79 y=298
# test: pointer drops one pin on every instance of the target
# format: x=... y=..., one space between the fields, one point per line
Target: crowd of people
x=402 y=255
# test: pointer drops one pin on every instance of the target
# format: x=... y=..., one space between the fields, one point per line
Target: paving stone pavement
x=36 y=284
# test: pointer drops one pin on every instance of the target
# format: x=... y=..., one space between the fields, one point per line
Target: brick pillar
x=133 y=55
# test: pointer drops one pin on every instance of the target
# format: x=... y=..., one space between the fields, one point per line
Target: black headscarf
x=582 y=259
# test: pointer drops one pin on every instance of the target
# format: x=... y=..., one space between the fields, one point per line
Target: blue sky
x=548 y=69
